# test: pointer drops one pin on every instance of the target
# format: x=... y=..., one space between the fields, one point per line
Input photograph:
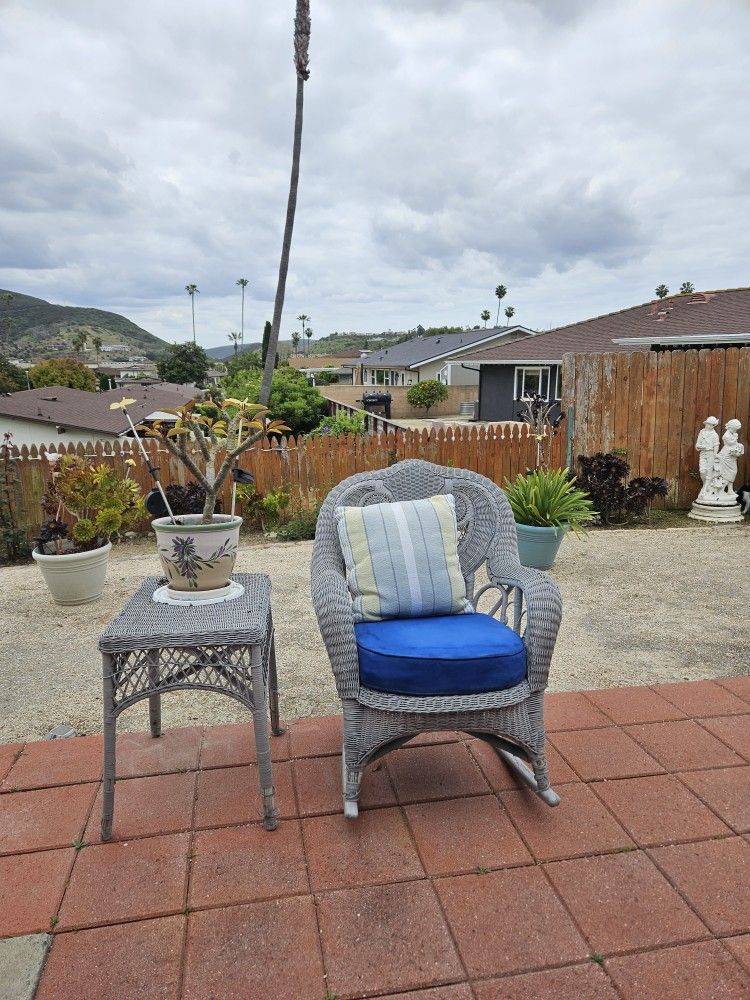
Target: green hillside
x=31 y=328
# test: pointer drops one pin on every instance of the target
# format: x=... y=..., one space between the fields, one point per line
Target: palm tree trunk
x=273 y=342
x=497 y=321
x=242 y=323
x=192 y=306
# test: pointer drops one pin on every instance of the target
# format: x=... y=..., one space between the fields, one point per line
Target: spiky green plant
x=549 y=498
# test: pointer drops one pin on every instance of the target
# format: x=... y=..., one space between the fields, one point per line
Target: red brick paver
x=694 y=970
x=454 y=882
x=135 y=961
x=621 y=902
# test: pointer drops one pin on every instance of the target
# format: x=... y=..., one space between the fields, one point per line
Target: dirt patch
x=640 y=606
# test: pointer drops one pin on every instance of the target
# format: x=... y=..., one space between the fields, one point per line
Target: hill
x=32 y=328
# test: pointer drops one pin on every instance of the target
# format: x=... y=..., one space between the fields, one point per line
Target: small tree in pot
x=198 y=551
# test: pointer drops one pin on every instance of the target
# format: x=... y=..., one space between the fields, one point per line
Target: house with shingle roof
x=438 y=357
x=58 y=413
x=511 y=371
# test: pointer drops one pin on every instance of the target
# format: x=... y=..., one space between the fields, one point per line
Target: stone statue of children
x=708 y=445
x=727 y=459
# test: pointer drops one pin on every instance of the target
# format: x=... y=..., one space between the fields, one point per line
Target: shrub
x=425 y=394
x=300 y=528
x=183 y=363
x=604 y=477
x=292 y=399
x=342 y=423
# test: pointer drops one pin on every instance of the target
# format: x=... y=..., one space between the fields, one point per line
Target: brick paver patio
x=454 y=883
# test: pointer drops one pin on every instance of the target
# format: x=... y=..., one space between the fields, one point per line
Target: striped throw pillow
x=402 y=559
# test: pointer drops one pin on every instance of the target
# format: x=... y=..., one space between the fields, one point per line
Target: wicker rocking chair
x=511 y=720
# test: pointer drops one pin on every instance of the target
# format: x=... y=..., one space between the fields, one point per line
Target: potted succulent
x=73 y=557
x=198 y=551
x=546 y=504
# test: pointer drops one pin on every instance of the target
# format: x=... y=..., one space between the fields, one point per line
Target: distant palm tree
x=295 y=342
x=308 y=334
x=501 y=291
x=243 y=283
x=302 y=69
x=97 y=342
x=303 y=318
x=661 y=291
x=236 y=339
x=191 y=290
x=509 y=312
x=485 y=315
x=686 y=288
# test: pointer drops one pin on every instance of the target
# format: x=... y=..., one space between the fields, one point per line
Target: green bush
x=293 y=399
x=425 y=394
x=63 y=371
x=342 y=423
x=300 y=528
x=183 y=363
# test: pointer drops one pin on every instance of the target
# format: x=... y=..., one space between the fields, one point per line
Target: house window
x=558 y=382
x=531 y=380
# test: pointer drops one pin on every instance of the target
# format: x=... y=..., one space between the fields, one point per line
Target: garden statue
x=717 y=500
x=708 y=446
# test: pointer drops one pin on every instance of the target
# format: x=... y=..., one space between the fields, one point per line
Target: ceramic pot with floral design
x=197 y=557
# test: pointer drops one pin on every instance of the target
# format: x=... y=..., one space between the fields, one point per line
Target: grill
x=373 y=401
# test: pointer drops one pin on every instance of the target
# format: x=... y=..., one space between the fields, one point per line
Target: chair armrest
x=543 y=602
x=333 y=608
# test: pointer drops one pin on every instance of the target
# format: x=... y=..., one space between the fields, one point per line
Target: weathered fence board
x=656 y=408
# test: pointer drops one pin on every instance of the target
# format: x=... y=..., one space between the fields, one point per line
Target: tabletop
x=145 y=624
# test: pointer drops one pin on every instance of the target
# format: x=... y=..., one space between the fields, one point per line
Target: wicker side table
x=152 y=648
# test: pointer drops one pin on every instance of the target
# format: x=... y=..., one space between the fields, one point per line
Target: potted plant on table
x=546 y=504
x=198 y=551
x=99 y=503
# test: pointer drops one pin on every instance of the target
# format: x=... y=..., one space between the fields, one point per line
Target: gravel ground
x=639 y=607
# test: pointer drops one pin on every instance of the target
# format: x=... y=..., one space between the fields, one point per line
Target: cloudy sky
x=578 y=151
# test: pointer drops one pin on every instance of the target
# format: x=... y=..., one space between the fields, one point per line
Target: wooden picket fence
x=652 y=405
x=307 y=468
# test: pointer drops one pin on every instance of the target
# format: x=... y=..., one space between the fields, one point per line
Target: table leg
x=110 y=741
x=154 y=700
x=273 y=689
x=262 y=745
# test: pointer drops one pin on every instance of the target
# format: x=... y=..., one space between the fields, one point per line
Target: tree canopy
x=63 y=371
x=12 y=378
x=292 y=399
x=425 y=394
x=183 y=363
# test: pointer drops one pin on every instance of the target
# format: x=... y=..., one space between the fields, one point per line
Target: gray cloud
x=578 y=152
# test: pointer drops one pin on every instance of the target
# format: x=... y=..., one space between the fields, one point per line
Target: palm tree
x=191 y=290
x=510 y=311
x=236 y=339
x=686 y=288
x=302 y=69
x=501 y=291
x=97 y=342
x=661 y=291
x=308 y=334
x=295 y=342
x=243 y=283
x=485 y=315
x=303 y=318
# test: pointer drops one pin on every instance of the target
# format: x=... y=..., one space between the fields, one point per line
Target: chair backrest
x=483 y=514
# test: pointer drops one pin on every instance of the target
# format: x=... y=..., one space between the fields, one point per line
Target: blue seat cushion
x=442 y=655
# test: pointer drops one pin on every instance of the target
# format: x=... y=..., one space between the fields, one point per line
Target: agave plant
x=220 y=434
x=549 y=498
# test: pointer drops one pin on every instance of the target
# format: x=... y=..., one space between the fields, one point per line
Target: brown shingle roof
x=89 y=411
x=725 y=311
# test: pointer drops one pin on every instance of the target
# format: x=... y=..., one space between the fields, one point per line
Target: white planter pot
x=75 y=578
x=197 y=557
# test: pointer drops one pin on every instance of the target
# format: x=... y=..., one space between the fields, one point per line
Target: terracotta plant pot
x=76 y=577
x=197 y=557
